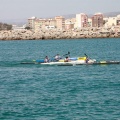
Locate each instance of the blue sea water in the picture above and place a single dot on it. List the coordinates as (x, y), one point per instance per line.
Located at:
(37, 92)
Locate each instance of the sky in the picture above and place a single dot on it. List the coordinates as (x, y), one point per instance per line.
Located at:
(23, 9)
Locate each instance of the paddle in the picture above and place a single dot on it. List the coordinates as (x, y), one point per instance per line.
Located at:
(67, 54)
(53, 58)
(86, 55)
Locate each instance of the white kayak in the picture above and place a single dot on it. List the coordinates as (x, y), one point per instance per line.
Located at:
(77, 62)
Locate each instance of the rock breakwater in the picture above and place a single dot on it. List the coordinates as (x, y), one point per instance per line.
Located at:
(60, 34)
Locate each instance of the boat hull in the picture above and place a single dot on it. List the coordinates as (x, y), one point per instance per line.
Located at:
(74, 63)
(77, 62)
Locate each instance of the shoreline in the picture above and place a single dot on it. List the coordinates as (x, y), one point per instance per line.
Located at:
(60, 39)
(60, 34)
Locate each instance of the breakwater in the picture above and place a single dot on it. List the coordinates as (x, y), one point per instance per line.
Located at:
(60, 34)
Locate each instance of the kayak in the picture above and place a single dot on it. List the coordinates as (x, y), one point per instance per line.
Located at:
(72, 63)
(62, 60)
(94, 63)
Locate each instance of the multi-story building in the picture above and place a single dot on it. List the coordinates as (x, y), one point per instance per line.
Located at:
(15, 27)
(69, 23)
(97, 20)
(60, 22)
(37, 24)
(31, 22)
(118, 20)
(81, 20)
(44, 24)
(89, 22)
(111, 21)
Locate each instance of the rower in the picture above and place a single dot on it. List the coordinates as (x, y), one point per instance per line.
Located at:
(66, 59)
(57, 57)
(46, 59)
(87, 58)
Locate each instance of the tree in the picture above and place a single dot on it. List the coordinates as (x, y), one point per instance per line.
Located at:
(4, 26)
(27, 27)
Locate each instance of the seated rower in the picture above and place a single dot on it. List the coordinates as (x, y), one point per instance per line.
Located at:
(87, 58)
(57, 57)
(66, 59)
(46, 59)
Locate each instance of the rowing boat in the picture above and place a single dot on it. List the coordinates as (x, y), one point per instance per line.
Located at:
(72, 62)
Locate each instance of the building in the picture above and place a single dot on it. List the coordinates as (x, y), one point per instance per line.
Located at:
(89, 22)
(31, 22)
(60, 22)
(44, 24)
(15, 27)
(69, 23)
(97, 20)
(81, 20)
(111, 21)
(118, 20)
(37, 24)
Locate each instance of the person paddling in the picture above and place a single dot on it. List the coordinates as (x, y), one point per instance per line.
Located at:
(46, 59)
(66, 59)
(87, 58)
(57, 57)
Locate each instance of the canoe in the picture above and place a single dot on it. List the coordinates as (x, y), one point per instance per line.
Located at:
(72, 63)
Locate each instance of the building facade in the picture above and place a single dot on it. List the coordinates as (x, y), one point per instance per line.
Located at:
(44, 24)
(60, 22)
(97, 20)
(69, 26)
(69, 23)
(81, 20)
(31, 22)
(89, 22)
(37, 24)
(118, 20)
(111, 21)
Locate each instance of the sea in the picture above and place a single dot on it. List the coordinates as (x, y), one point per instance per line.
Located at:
(79, 92)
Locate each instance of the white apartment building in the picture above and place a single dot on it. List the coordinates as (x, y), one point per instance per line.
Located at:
(111, 21)
(89, 22)
(44, 24)
(31, 22)
(60, 22)
(37, 24)
(69, 23)
(118, 20)
(15, 27)
(81, 20)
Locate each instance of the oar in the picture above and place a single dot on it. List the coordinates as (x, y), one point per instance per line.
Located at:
(66, 54)
(86, 55)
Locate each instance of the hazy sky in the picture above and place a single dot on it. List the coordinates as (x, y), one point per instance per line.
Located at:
(22, 9)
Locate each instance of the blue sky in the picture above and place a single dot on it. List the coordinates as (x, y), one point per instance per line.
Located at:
(22, 9)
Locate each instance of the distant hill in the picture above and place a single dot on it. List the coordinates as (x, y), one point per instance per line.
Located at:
(109, 14)
(18, 22)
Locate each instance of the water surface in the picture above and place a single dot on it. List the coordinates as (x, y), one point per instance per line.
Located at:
(35, 92)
